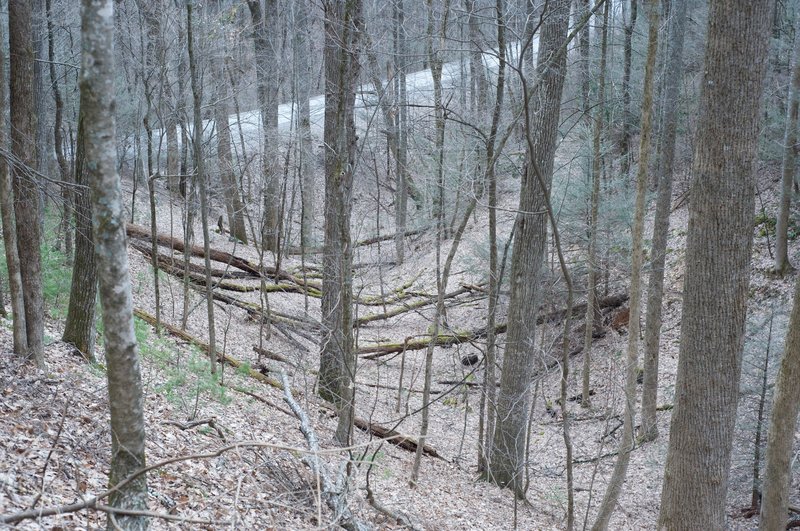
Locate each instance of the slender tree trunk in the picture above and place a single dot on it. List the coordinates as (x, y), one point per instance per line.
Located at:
(401, 126)
(233, 201)
(302, 54)
(26, 185)
(718, 252)
(507, 461)
(627, 115)
(79, 328)
(594, 209)
(790, 147)
(655, 286)
(125, 398)
(63, 166)
(15, 286)
(202, 185)
(265, 43)
(786, 405)
(343, 26)
(489, 397)
(627, 442)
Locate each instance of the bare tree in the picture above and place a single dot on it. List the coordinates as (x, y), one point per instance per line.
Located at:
(627, 442)
(343, 27)
(122, 359)
(507, 459)
(655, 286)
(718, 252)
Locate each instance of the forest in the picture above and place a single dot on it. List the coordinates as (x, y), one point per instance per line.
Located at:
(399, 264)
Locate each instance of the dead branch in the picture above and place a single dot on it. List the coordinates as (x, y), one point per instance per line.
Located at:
(183, 426)
(336, 498)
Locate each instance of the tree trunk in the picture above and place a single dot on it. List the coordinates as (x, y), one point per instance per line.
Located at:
(302, 54)
(401, 126)
(26, 185)
(786, 404)
(265, 44)
(625, 141)
(230, 187)
(718, 251)
(15, 286)
(507, 459)
(79, 328)
(122, 360)
(782, 264)
(655, 286)
(343, 25)
(627, 442)
(594, 209)
(202, 184)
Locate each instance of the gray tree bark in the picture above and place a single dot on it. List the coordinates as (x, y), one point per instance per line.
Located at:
(717, 275)
(265, 43)
(507, 459)
(790, 147)
(122, 360)
(343, 25)
(15, 287)
(302, 54)
(655, 286)
(786, 405)
(26, 186)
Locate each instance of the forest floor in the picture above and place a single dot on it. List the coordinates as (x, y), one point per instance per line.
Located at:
(54, 433)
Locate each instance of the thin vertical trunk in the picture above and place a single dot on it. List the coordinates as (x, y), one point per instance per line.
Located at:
(507, 460)
(718, 252)
(401, 126)
(627, 115)
(15, 287)
(488, 398)
(790, 147)
(200, 175)
(343, 27)
(655, 286)
(63, 166)
(594, 208)
(627, 442)
(302, 54)
(125, 397)
(26, 185)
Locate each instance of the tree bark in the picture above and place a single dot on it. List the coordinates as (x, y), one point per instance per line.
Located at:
(507, 460)
(655, 286)
(26, 186)
(202, 183)
(302, 53)
(718, 251)
(122, 360)
(15, 287)
(790, 147)
(265, 44)
(79, 328)
(625, 141)
(233, 201)
(786, 405)
(343, 25)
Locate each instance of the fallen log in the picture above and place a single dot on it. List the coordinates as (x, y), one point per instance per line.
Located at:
(203, 346)
(408, 307)
(194, 268)
(389, 237)
(396, 438)
(442, 340)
